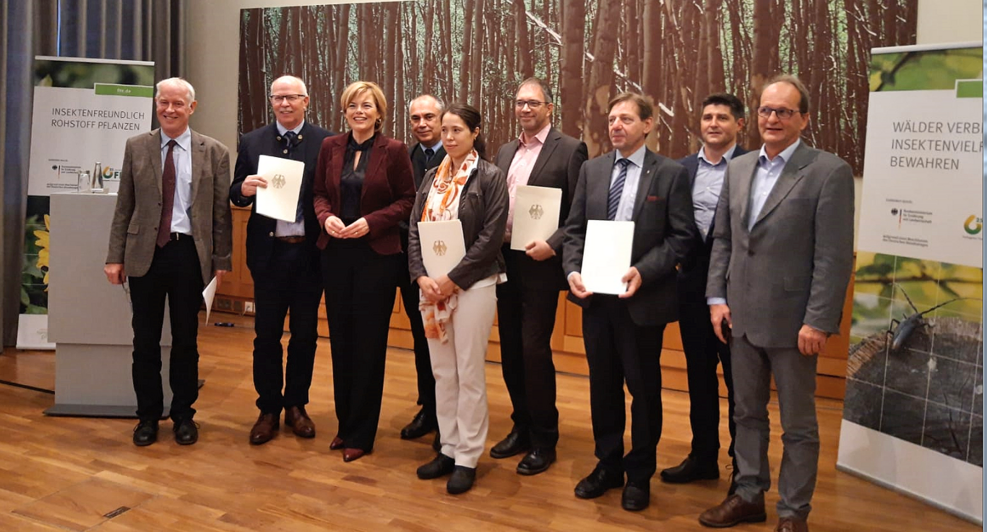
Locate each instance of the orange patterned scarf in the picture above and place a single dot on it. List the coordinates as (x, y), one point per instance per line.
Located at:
(442, 204)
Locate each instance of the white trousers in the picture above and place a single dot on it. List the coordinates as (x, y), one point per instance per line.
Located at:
(460, 381)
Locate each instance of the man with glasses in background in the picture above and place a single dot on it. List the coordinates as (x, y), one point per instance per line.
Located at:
(781, 260)
(541, 156)
(284, 264)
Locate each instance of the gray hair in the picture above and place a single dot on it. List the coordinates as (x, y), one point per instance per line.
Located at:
(438, 102)
(189, 89)
(296, 79)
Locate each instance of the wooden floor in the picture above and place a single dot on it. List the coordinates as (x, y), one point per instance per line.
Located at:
(69, 473)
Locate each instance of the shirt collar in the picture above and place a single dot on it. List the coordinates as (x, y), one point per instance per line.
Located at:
(298, 129)
(637, 157)
(726, 156)
(435, 147)
(184, 140)
(784, 156)
(540, 136)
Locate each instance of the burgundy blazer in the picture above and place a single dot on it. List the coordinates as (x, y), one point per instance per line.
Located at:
(386, 198)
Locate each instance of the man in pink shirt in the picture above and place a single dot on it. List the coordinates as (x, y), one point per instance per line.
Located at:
(542, 156)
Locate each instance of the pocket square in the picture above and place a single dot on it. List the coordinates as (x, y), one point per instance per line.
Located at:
(652, 198)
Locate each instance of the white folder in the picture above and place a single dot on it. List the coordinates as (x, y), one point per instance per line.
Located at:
(607, 256)
(536, 214)
(284, 184)
(442, 246)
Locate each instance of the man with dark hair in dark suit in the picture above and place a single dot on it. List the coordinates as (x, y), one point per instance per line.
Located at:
(284, 264)
(623, 334)
(722, 117)
(424, 112)
(545, 157)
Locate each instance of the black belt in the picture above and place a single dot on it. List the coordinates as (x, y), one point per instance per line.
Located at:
(179, 236)
(296, 239)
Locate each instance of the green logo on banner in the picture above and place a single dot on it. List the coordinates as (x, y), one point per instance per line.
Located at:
(974, 225)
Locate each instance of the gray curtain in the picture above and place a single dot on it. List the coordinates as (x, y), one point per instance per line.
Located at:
(142, 30)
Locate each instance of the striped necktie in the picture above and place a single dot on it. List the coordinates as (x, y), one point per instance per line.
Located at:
(617, 189)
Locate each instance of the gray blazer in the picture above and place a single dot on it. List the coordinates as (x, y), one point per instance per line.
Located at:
(793, 266)
(664, 229)
(134, 231)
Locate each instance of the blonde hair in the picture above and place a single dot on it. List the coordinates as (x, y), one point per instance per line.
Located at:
(359, 87)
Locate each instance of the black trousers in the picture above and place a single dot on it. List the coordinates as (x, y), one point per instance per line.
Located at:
(423, 364)
(360, 287)
(703, 350)
(291, 281)
(525, 319)
(175, 274)
(619, 351)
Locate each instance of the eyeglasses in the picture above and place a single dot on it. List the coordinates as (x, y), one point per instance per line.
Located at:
(783, 114)
(532, 104)
(290, 98)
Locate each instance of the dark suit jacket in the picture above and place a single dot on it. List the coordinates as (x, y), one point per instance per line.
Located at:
(557, 166)
(260, 228)
(793, 266)
(418, 163)
(387, 195)
(134, 231)
(664, 228)
(695, 268)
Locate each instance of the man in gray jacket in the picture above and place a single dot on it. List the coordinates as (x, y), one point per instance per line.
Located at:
(781, 260)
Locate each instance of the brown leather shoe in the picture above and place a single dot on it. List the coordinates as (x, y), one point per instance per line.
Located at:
(353, 454)
(733, 511)
(336, 444)
(791, 524)
(296, 418)
(264, 429)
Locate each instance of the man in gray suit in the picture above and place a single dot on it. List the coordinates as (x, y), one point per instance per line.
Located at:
(781, 260)
(541, 156)
(171, 234)
(623, 334)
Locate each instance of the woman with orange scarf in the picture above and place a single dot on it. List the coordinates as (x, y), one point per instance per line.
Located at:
(458, 308)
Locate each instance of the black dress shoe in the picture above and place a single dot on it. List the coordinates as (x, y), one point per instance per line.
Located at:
(598, 482)
(690, 470)
(146, 432)
(515, 443)
(186, 432)
(461, 480)
(440, 466)
(536, 461)
(636, 497)
(421, 425)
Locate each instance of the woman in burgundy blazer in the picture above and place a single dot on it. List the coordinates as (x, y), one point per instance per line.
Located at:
(363, 187)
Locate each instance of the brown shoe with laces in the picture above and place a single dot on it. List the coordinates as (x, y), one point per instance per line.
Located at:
(733, 511)
(791, 524)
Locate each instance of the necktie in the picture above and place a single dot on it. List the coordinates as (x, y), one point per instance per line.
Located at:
(289, 141)
(613, 200)
(429, 152)
(167, 195)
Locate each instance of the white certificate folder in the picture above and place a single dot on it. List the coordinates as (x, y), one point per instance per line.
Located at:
(536, 214)
(607, 256)
(284, 183)
(442, 246)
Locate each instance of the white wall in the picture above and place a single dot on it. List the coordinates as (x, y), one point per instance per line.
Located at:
(944, 21)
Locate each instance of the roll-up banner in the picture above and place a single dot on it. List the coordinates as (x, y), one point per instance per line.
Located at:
(84, 112)
(913, 412)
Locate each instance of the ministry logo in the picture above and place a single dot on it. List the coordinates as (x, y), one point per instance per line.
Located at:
(278, 181)
(439, 248)
(536, 212)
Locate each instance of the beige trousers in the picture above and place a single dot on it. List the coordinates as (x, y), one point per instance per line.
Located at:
(460, 381)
